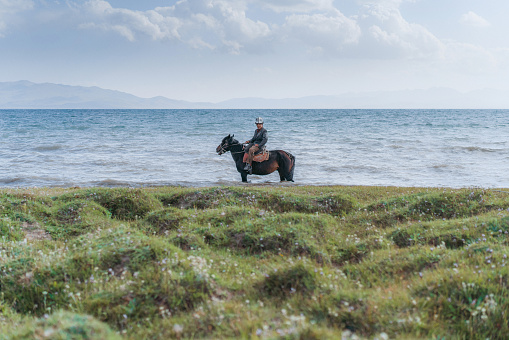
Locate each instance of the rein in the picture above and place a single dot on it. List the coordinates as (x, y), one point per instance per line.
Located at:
(237, 151)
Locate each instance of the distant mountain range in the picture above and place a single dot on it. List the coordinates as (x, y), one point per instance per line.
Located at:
(28, 95)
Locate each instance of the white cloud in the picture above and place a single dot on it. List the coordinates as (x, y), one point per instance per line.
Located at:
(200, 24)
(388, 34)
(13, 6)
(9, 9)
(474, 20)
(327, 33)
(130, 23)
(297, 5)
(378, 31)
(225, 25)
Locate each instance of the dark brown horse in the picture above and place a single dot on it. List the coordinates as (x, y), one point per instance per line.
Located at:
(282, 161)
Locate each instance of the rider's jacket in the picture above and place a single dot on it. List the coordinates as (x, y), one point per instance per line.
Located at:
(260, 137)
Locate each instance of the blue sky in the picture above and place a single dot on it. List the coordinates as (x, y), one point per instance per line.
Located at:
(213, 50)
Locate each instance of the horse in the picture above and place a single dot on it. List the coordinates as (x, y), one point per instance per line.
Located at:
(282, 161)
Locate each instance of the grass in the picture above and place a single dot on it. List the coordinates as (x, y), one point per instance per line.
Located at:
(254, 262)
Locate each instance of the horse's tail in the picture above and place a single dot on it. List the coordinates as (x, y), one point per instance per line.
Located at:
(288, 161)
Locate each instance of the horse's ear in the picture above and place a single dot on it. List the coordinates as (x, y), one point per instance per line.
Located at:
(228, 136)
(233, 135)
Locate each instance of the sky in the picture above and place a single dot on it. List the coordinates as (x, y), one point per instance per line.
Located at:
(214, 50)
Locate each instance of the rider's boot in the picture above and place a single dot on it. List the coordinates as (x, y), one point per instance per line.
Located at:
(246, 166)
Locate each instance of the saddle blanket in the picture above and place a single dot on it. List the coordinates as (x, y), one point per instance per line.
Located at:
(261, 157)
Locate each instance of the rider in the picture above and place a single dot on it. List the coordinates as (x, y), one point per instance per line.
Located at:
(255, 143)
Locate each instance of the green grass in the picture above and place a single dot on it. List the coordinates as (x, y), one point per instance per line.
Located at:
(254, 262)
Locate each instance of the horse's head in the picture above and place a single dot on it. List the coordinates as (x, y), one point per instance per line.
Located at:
(225, 145)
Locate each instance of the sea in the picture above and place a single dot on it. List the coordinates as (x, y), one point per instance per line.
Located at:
(143, 148)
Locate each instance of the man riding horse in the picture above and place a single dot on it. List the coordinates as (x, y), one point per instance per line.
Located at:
(280, 160)
(254, 144)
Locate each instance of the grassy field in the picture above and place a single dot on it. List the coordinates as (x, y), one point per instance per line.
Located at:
(254, 262)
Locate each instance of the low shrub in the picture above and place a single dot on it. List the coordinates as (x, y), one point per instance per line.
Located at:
(475, 307)
(177, 290)
(168, 219)
(64, 325)
(122, 203)
(11, 231)
(76, 218)
(281, 283)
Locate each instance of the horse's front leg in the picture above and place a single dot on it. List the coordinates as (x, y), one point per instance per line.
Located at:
(243, 174)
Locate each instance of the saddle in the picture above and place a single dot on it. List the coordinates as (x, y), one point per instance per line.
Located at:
(260, 156)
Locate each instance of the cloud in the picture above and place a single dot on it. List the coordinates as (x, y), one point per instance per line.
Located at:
(329, 33)
(9, 9)
(201, 24)
(388, 35)
(378, 31)
(474, 20)
(225, 25)
(130, 23)
(280, 6)
(13, 6)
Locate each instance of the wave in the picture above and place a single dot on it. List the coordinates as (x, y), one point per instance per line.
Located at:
(394, 146)
(49, 147)
(32, 181)
(472, 149)
(445, 166)
(478, 148)
(79, 128)
(111, 183)
(440, 166)
(359, 167)
(10, 180)
(109, 163)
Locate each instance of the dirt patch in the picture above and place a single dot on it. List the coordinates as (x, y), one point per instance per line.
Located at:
(33, 232)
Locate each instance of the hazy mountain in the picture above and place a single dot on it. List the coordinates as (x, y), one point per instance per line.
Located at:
(25, 94)
(435, 98)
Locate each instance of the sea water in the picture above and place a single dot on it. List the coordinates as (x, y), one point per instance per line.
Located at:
(65, 148)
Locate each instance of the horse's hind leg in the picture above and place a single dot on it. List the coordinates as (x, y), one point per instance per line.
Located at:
(286, 171)
(282, 176)
(289, 176)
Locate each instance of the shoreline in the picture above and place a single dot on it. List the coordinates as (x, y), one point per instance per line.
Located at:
(240, 184)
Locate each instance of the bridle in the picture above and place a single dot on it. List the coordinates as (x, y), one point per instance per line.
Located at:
(223, 147)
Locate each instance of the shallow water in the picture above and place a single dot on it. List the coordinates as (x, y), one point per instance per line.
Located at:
(453, 148)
